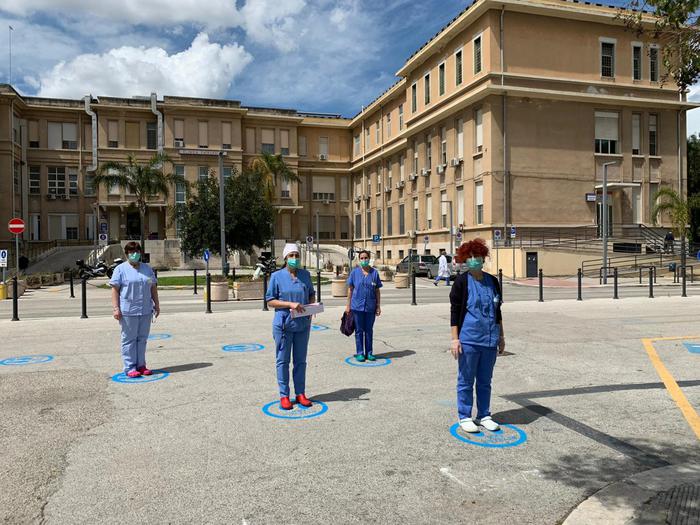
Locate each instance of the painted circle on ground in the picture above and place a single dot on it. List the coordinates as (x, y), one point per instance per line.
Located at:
(318, 327)
(693, 348)
(123, 378)
(508, 436)
(273, 409)
(243, 347)
(159, 337)
(381, 361)
(26, 360)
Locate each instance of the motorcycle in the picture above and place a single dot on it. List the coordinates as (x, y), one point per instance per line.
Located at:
(101, 269)
(266, 265)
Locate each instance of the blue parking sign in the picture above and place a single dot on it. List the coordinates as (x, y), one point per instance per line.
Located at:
(512, 232)
(376, 238)
(206, 255)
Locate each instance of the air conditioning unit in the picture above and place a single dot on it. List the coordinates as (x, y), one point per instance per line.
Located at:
(425, 172)
(326, 202)
(66, 197)
(51, 197)
(358, 198)
(455, 162)
(367, 197)
(322, 157)
(411, 234)
(412, 177)
(400, 184)
(387, 189)
(179, 143)
(441, 168)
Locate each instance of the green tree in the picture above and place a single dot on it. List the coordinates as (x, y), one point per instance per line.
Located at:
(678, 211)
(694, 183)
(198, 218)
(674, 25)
(144, 181)
(272, 168)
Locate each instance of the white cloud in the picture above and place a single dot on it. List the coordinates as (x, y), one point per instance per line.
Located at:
(205, 69)
(273, 22)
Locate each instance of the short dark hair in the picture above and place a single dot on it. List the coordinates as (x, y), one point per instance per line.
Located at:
(131, 247)
(364, 251)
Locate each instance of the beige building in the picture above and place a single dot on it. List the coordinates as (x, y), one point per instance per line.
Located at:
(504, 118)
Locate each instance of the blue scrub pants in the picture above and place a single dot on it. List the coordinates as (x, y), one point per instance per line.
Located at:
(364, 330)
(291, 345)
(475, 362)
(135, 330)
(446, 278)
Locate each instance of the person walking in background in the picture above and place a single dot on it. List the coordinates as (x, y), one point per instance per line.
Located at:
(444, 271)
(364, 301)
(289, 290)
(477, 335)
(134, 303)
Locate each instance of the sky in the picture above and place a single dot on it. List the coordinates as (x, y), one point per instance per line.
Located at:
(328, 56)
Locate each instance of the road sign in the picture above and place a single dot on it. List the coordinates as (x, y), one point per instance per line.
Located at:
(309, 239)
(15, 226)
(376, 238)
(3, 258)
(426, 239)
(497, 235)
(459, 236)
(104, 228)
(512, 232)
(207, 254)
(351, 253)
(102, 237)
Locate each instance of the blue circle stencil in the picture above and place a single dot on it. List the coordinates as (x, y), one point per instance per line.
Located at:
(159, 337)
(318, 327)
(243, 347)
(507, 436)
(273, 409)
(26, 360)
(123, 378)
(381, 361)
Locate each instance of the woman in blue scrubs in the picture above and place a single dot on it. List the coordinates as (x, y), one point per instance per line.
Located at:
(477, 335)
(364, 300)
(134, 302)
(290, 289)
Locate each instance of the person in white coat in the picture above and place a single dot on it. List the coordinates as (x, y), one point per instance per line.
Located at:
(443, 269)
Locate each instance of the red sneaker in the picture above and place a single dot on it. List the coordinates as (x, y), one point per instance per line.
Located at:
(133, 373)
(285, 403)
(304, 401)
(145, 371)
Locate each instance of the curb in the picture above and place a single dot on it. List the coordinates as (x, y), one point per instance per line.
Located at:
(618, 503)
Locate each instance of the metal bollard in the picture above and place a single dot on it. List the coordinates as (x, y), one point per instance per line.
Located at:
(684, 294)
(541, 300)
(580, 275)
(500, 281)
(72, 294)
(15, 293)
(83, 299)
(195, 281)
(155, 273)
(651, 283)
(615, 283)
(413, 286)
(265, 308)
(640, 275)
(318, 286)
(208, 293)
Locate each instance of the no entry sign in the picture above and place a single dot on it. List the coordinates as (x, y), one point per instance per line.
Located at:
(15, 226)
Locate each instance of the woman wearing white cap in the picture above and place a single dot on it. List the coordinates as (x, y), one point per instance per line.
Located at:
(290, 289)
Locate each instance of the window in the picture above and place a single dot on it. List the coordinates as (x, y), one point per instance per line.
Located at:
(344, 189)
(607, 59)
(402, 161)
(415, 156)
(479, 202)
(654, 64)
(268, 141)
(203, 173)
(179, 133)
(113, 133)
(415, 213)
(133, 135)
(326, 227)
(388, 125)
(606, 132)
(368, 224)
(389, 175)
(73, 181)
(285, 189)
(377, 134)
(414, 98)
(344, 227)
(388, 254)
(479, 130)
(34, 180)
(400, 117)
(369, 185)
(441, 78)
(460, 139)
(428, 152)
(426, 88)
(250, 141)
(34, 227)
(477, 55)
(151, 135)
(379, 222)
(636, 133)
(389, 221)
(402, 220)
(63, 135)
(357, 144)
(57, 180)
(323, 146)
(302, 146)
(443, 146)
(16, 179)
(443, 208)
(358, 226)
(203, 134)
(379, 179)
(367, 139)
(653, 146)
(637, 62)
(460, 205)
(323, 188)
(228, 171)
(33, 134)
(89, 185)
(225, 135)
(401, 252)
(458, 68)
(429, 211)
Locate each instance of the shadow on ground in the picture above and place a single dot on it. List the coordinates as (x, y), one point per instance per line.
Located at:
(344, 394)
(183, 368)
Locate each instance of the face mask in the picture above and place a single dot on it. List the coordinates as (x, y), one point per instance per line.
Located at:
(293, 262)
(364, 263)
(134, 257)
(475, 264)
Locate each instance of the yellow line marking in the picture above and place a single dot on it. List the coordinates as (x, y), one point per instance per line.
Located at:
(674, 338)
(691, 416)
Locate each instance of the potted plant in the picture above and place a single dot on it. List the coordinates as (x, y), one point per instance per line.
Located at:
(339, 286)
(401, 280)
(219, 288)
(386, 274)
(247, 289)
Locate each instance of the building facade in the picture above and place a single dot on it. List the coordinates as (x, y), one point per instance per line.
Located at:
(505, 118)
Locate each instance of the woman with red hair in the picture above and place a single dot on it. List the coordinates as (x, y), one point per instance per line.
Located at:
(477, 335)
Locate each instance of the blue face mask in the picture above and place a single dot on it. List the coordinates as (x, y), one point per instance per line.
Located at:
(364, 263)
(474, 263)
(293, 262)
(134, 257)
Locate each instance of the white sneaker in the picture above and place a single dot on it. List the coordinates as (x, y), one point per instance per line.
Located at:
(468, 425)
(489, 424)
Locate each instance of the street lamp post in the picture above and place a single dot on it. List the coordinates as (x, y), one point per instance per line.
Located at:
(221, 213)
(604, 213)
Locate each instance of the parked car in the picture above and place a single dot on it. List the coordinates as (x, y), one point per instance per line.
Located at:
(422, 262)
(433, 269)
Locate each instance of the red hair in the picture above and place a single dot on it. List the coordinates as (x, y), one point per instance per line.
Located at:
(473, 248)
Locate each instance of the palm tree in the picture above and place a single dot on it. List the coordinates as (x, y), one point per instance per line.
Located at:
(670, 203)
(271, 168)
(143, 181)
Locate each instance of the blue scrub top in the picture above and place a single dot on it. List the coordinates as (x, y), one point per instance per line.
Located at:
(364, 289)
(284, 287)
(479, 327)
(134, 285)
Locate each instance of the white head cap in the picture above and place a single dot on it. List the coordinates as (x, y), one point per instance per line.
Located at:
(289, 248)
